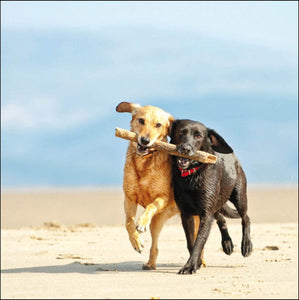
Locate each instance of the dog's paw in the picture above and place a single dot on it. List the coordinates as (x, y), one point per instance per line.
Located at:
(246, 247)
(137, 242)
(203, 263)
(190, 268)
(187, 270)
(148, 266)
(143, 224)
(227, 246)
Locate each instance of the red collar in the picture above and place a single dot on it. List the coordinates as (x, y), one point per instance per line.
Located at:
(187, 172)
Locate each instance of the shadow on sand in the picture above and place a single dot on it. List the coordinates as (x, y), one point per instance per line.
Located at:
(90, 268)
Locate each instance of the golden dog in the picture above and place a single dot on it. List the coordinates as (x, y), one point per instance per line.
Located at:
(147, 177)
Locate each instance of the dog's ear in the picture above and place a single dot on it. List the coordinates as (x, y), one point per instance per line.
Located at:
(218, 143)
(127, 107)
(172, 131)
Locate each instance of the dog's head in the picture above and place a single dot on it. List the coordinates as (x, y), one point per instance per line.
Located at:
(150, 123)
(190, 136)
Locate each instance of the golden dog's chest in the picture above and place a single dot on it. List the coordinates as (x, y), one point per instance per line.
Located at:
(145, 182)
(144, 199)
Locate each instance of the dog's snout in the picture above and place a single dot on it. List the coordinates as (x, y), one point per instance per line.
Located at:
(144, 141)
(185, 149)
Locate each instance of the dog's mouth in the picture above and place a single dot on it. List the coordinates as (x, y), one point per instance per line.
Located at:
(183, 162)
(142, 150)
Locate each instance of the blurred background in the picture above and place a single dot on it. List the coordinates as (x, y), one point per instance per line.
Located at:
(65, 65)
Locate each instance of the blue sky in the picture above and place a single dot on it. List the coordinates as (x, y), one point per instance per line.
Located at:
(66, 65)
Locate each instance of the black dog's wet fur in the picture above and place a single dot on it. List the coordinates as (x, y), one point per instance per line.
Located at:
(205, 192)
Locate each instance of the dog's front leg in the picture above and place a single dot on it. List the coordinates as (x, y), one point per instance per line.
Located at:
(188, 225)
(130, 211)
(191, 226)
(194, 261)
(145, 219)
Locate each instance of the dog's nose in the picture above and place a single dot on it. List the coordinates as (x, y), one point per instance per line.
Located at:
(144, 141)
(185, 149)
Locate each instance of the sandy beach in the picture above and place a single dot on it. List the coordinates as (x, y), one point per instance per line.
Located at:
(72, 243)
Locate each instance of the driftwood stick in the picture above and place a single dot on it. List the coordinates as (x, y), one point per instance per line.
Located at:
(167, 147)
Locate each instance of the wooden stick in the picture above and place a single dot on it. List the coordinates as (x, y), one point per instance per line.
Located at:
(167, 147)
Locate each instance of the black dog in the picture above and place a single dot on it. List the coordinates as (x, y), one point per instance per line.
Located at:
(202, 189)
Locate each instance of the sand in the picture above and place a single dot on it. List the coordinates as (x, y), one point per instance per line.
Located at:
(68, 243)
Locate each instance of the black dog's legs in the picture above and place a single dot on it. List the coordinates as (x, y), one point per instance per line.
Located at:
(188, 225)
(226, 241)
(194, 260)
(239, 199)
(191, 232)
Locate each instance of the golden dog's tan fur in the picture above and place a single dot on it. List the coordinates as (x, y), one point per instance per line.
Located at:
(147, 179)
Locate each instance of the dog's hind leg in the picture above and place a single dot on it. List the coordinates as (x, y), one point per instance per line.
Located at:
(196, 227)
(194, 261)
(191, 225)
(239, 199)
(226, 241)
(130, 211)
(156, 226)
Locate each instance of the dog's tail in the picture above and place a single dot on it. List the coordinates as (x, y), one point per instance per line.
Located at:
(229, 212)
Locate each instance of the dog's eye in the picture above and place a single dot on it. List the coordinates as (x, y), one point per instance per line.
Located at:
(158, 125)
(141, 121)
(197, 135)
(183, 131)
